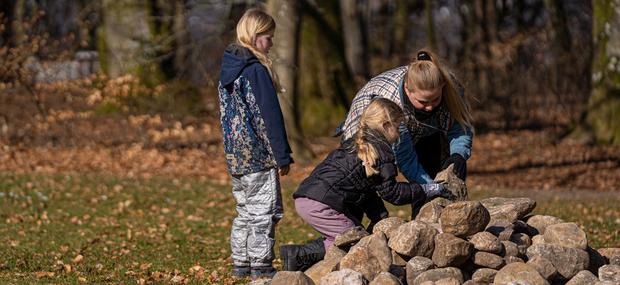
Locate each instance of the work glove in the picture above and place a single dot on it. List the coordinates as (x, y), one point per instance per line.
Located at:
(434, 190)
(460, 165)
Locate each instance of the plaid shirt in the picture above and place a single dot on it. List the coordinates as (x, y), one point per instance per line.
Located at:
(387, 85)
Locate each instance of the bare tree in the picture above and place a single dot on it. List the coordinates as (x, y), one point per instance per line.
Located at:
(285, 49)
(601, 122)
(354, 44)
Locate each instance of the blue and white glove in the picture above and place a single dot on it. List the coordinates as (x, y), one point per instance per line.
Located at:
(433, 190)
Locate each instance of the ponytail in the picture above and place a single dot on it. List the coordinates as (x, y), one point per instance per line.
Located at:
(366, 152)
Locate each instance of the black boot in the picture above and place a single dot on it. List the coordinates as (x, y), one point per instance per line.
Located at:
(297, 257)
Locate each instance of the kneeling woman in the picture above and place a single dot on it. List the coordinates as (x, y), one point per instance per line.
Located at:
(351, 182)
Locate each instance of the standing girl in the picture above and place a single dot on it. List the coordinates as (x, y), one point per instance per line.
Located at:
(351, 181)
(255, 143)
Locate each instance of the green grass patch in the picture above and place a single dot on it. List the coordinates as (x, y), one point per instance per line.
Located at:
(69, 229)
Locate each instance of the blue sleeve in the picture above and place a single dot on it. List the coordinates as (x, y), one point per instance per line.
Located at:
(460, 140)
(267, 101)
(407, 159)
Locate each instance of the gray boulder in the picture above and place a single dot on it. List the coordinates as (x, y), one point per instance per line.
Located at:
(484, 275)
(522, 241)
(291, 278)
(350, 237)
(503, 230)
(566, 234)
(538, 239)
(388, 226)
(541, 222)
(416, 265)
(343, 277)
(609, 273)
(508, 209)
(583, 277)
(452, 183)
(329, 264)
(448, 281)
(567, 260)
(519, 272)
(369, 256)
(385, 278)
(451, 251)
(509, 249)
(399, 259)
(543, 266)
(438, 274)
(414, 239)
(488, 260)
(431, 211)
(611, 255)
(464, 219)
(512, 259)
(486, 241)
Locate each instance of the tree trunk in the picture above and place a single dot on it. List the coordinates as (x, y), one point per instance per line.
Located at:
(126, 41)
(601, 122)
(285, 49)
(430, 24)
(201, 51)
(354, 44)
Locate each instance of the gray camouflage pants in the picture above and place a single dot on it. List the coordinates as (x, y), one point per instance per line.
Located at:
(259, 208)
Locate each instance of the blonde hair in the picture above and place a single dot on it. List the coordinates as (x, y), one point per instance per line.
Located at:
(425, 72)
(253, 23)
(378, 112)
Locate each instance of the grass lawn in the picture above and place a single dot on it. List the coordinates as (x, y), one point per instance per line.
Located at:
(104, 229)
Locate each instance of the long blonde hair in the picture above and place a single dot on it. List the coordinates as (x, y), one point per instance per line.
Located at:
(378, 112)
(253, 23)
(425, 72)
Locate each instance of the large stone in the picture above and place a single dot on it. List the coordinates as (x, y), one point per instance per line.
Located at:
(385, 278)
(343, 277)
(583, 277)
(486, 241)
(464, 219)
(609, 273)
(399, 259)
(567, 260)
(522, 241)
(509, 249)
(512, 259)
(484, 275)
(291, 278)
(414, 239)
(369, 256)
(350, 237)
(452, 183)
(508, 209)
(438, 274)
(451, 251)
(431, 211)
(488, 260)
(605, 283)
(543, 266)
(417, 265)
(566, 234)
(538, 239)
(329, 264)
(541, 222)
(503, 230)
(519, 272)
(448, 281)
(388, 226)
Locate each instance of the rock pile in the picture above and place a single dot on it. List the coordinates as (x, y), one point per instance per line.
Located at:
(492, 241)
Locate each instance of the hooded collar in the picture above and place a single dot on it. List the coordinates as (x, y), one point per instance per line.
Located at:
(236, 58)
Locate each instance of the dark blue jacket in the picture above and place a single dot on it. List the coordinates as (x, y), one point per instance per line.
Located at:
(252, 122)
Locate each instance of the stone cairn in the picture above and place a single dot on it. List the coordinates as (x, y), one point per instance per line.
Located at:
(492, 241)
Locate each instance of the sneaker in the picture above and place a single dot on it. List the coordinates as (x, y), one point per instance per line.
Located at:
(263, 272)
(241, 271)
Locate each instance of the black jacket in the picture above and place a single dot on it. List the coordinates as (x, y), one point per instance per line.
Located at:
(340, 182)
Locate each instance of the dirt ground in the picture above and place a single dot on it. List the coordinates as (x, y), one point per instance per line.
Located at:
(70, 136)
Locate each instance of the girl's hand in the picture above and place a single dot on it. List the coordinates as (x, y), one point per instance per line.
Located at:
(284, 170)
(434, 190)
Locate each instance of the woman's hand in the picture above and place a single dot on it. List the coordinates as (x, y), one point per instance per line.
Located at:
(460, 165)
(433, 190)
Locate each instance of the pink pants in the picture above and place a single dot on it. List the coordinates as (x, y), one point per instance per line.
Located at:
(323, 218)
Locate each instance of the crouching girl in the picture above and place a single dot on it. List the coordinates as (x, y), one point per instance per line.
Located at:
(351, 182)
